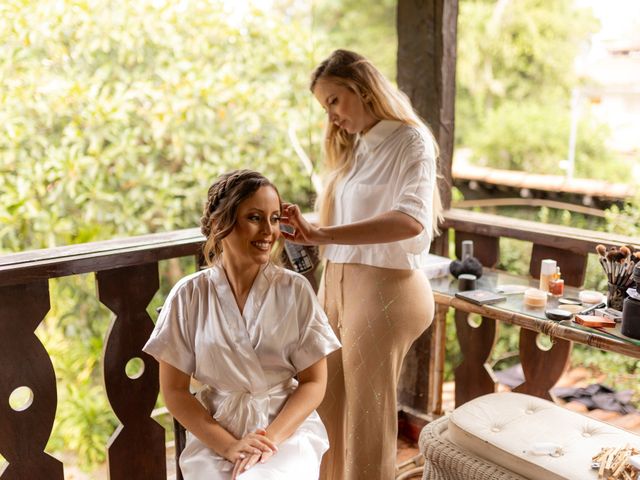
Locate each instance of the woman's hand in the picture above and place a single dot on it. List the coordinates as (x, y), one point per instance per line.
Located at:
(245, 462)
(256, 443)
(304, 232)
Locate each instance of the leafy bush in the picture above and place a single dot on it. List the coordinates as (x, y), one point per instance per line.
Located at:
(116, 116)
(533, 137)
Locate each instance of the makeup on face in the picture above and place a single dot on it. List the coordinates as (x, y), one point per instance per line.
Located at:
(256, 229)
(345, 108)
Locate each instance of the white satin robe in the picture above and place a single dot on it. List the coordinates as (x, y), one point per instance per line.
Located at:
(246, 362)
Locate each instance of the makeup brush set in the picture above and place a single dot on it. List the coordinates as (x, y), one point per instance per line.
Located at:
(618, 263)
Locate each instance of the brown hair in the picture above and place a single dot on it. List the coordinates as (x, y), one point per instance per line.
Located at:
(221, 209)
(383, 101)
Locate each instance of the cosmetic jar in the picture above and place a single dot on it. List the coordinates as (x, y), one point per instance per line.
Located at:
(572, 308)
(590, 297)
(535, 298)
(466, 281)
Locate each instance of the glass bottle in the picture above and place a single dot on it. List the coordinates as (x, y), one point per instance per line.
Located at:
(556, 284)
(547, 270)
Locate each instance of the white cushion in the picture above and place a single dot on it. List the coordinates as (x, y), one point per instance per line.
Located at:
(504, 427)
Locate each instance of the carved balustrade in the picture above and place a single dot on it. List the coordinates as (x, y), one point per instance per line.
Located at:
(126, 272)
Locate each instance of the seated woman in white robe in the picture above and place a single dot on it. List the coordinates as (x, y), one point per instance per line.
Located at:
(246, 329)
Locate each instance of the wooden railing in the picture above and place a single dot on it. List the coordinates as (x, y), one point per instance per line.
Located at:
(127, 277)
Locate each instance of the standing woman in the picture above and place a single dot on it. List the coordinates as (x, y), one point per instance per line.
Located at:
(378, 212)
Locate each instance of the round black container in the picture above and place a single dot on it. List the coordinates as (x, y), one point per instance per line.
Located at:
(631, 318)
(466, 281)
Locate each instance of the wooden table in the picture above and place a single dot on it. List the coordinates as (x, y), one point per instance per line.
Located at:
(542, 366)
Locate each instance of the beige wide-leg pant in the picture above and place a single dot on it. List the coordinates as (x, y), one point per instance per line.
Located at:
(377, 313)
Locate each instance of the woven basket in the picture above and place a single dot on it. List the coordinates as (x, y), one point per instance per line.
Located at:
(444, 460)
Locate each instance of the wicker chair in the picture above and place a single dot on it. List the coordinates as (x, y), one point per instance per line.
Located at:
(446, 461)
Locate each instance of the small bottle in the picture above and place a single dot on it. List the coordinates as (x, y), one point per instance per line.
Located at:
(467, 249)
(556, 284)
(547, 270)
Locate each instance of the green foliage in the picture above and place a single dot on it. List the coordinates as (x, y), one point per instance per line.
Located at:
(367, 28)
(118, 115)
(514, 82)
(533, 137)
(625, 220)
(513, 51)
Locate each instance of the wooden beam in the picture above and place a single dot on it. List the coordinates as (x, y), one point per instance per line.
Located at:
(427, 32)
(426, 73)
(572, 239)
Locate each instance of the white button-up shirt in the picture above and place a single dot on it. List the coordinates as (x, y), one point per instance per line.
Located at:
(394, 169)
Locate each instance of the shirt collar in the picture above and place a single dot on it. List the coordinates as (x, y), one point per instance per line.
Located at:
(379, 132)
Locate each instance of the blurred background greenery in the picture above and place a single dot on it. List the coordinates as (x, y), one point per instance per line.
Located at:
(117, 115)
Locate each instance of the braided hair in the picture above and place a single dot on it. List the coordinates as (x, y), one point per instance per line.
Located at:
(221, 209)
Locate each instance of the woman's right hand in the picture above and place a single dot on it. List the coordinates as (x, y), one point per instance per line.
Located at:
(255, 443)
(246, 463)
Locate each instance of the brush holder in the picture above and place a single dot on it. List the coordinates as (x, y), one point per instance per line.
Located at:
(615, 296)
(631, 318)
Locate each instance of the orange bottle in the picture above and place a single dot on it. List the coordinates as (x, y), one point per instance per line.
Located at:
(556, 284)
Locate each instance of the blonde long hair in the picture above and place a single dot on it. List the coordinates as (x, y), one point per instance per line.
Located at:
(384, 102)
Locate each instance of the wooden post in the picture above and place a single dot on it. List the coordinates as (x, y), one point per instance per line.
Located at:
(427, 32)
(136, 450)
(427, 74)
(25, 430)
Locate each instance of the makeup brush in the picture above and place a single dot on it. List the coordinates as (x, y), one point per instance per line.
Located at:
(611, 260)
(602, 253)
(625, 268)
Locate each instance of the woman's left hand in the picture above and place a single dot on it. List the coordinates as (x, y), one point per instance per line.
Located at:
(304, 233)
